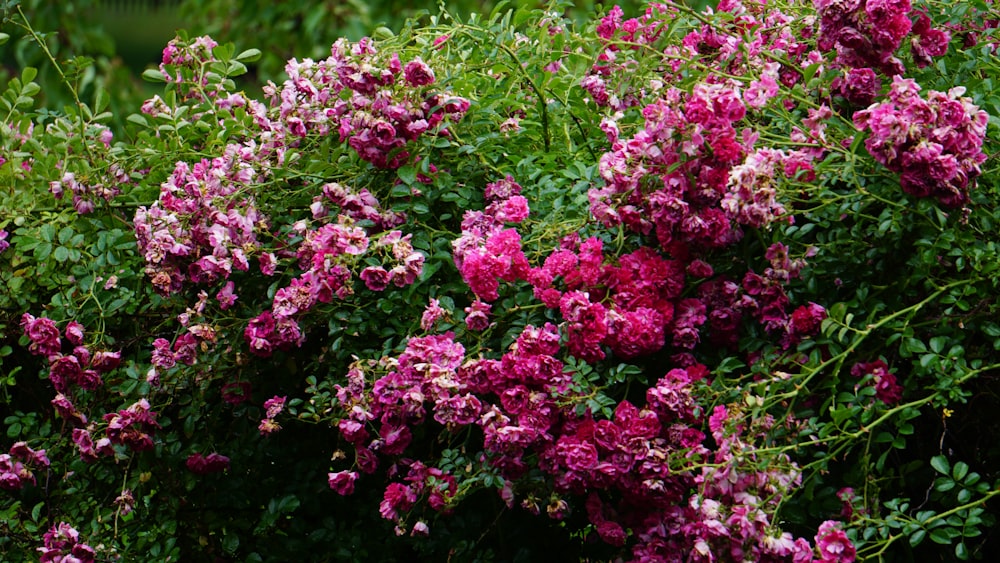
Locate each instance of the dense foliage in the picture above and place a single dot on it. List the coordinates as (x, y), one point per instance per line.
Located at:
(672, 285)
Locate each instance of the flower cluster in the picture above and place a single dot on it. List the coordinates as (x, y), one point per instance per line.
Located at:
(487, 251)
(421, 481)
(670, 177)
(614, 33)
(62, 545)
(865, 33)
(272, 408)
(934, 144)
(133, 426)
(359, 205)
(16, 466)
(762, 296)
(81, 368)
(728, 516)
(203, 225)
(748, 43)
(184, 64)
(375, 104)
(927, 41)
(877, 375)
(523, 405)
(327, 255)
(4, 245)
(104, 184)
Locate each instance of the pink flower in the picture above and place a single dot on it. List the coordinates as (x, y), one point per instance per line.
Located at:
(66, 410)
(432, 313)
(43, 333)
(62, 545)
(477, 315)
(887, 389)
(376, 278)
(268, 263)
(860, 86)
(74, 333)
(133, 426)
(398, 497)
(106, 361)
(343, 481)
(417, 73)
(226, 297)
(833, 545)
(274, 406)
(805, 320)
(84, 444)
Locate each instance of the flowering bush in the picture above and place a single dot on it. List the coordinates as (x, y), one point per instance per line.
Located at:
(679, 285)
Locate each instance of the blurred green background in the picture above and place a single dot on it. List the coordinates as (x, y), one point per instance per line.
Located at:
(106, 44)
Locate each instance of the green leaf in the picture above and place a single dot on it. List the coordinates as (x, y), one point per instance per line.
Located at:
(230, 543)
(940, 464)
(917, 537)
(408, 174)
(153, 75)
(959, 470)
(249, 56)
(944, 536)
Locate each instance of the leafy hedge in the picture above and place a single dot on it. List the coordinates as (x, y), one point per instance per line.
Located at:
(673, 285)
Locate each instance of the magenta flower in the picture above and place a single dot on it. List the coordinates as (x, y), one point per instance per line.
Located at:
(43, 333)
(226, 297)
(860, 86)
(833, 545)
(343, 481)
(74, 333)
(62, 545)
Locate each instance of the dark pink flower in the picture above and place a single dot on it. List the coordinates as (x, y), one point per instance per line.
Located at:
(62, 545)
(66, 410)
(104, 361)
(43, 333)
(860, 86)
(398, 497)
(343, 481)
(236, 392)
(376, 278)
(74, 333)
(203, 465)
(432, 313)
(477, 315)
(417, 73)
